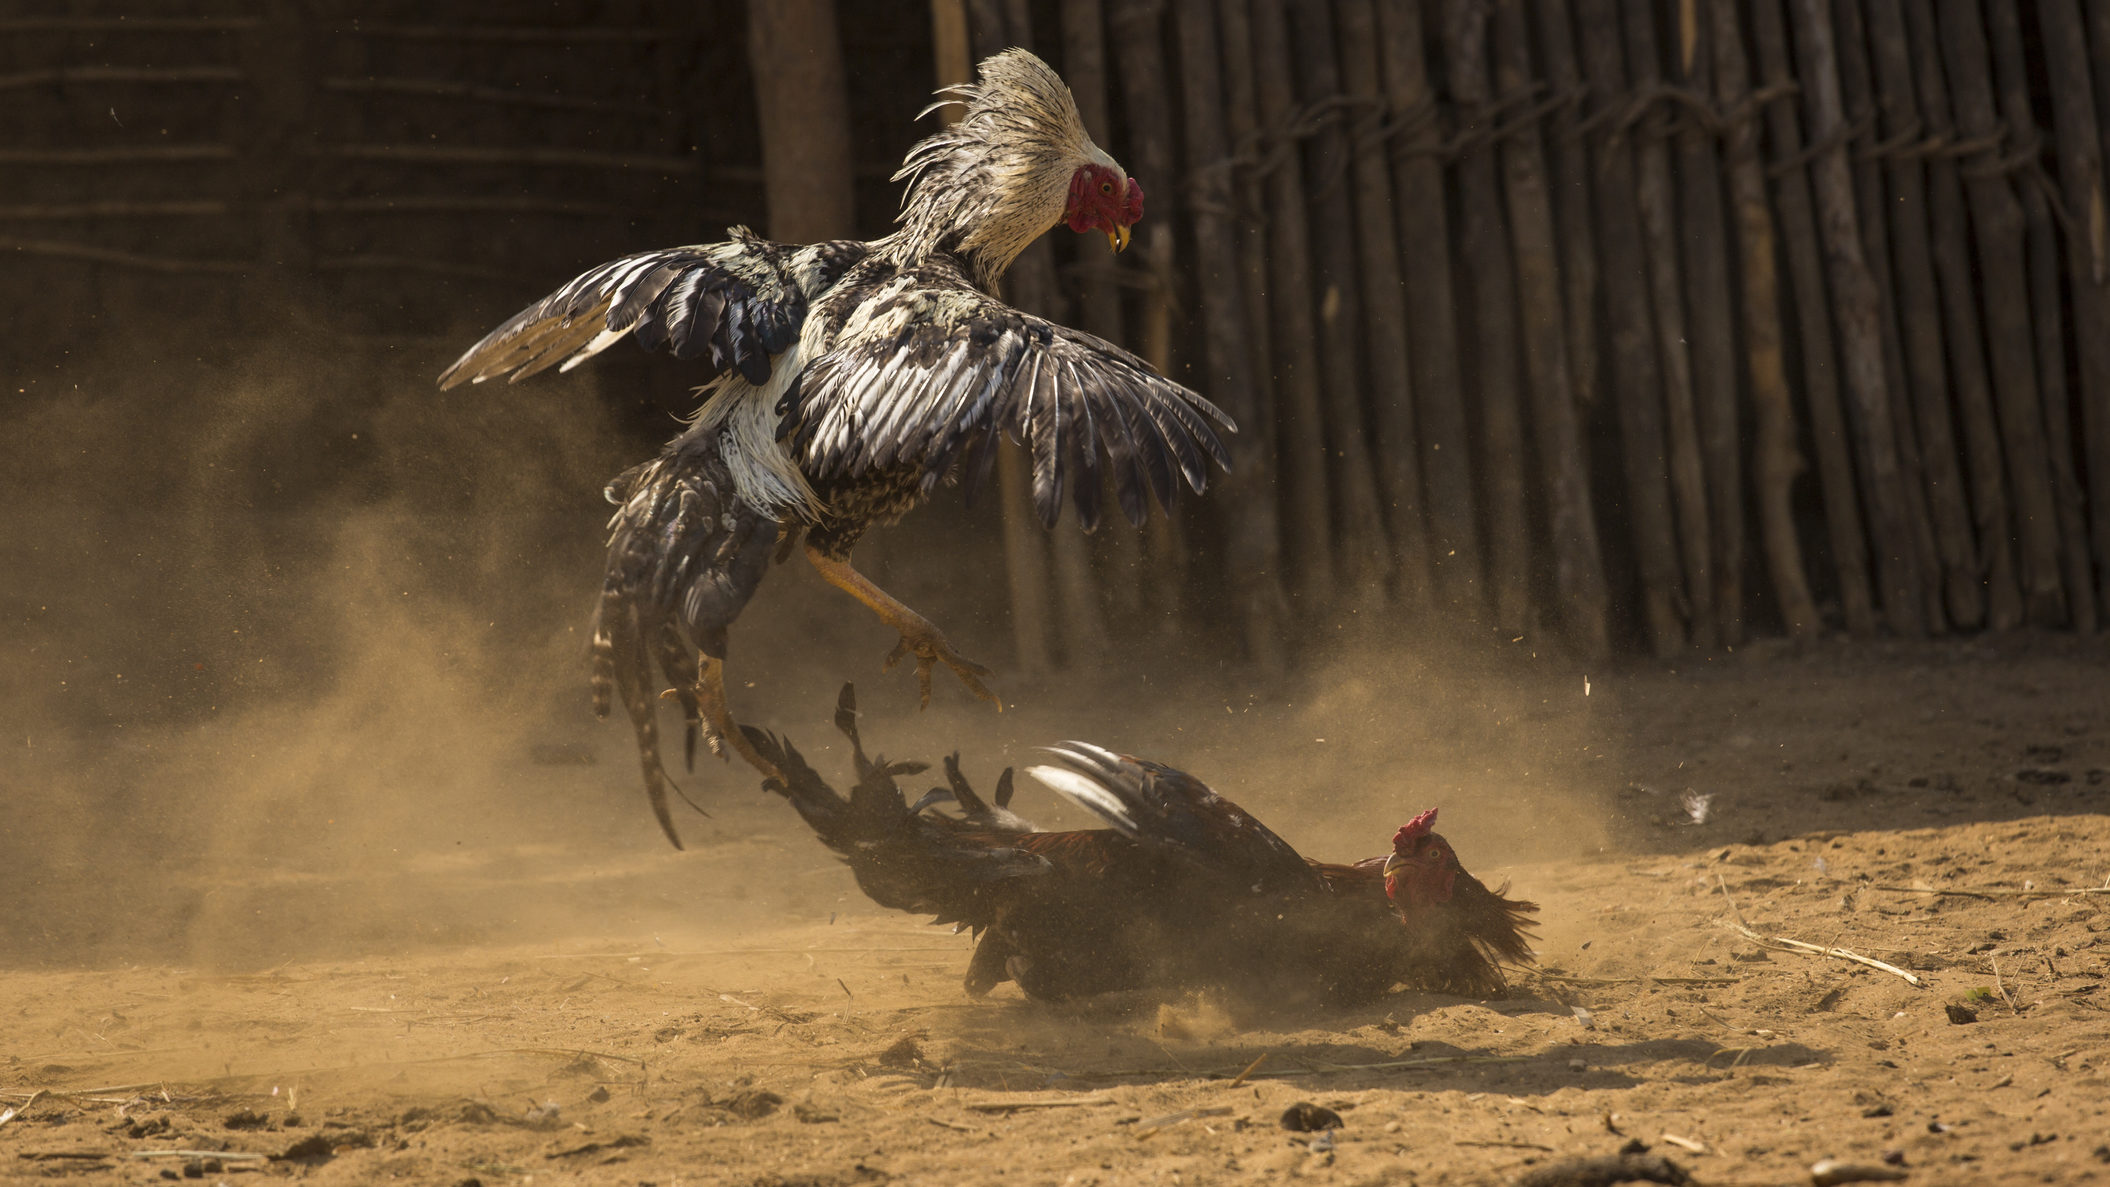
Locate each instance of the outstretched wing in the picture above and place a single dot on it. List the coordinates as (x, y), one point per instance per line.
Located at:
(926, 365)
(1156, 805)
(738, 302)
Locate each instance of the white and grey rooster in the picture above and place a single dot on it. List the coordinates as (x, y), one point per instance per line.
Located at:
(845, 382)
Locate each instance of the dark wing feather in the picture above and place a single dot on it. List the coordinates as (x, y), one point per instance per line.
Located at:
(1158, 806)
(924, 365)
(738, 303)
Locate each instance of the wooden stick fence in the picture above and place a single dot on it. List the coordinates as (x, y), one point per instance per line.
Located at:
(1638, 299)
(1647, 326)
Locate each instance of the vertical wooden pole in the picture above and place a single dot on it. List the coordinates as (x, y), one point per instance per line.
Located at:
(1996, 222)
(1432, 309)
(1097, 283)
(1798, 225)
(1301, 412)
(1251, 525)
(1484, 247)
(1950, 235)
(2011, 70)
(1568, 159)
(804, 107)
(1362, 557)
(1775, 458)
(1656, 197)
(2087, 249)
(1636, 378)
(1391, 390)
(1578, 566)
(1711, 315)
(1857, 94)
(1857, 305)
(1919, 316)
(960, 32)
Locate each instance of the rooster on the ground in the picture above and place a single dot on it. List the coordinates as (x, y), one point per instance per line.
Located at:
(1184, 889)
(845, 382)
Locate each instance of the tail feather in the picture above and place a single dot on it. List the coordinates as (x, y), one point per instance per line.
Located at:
(684, 556)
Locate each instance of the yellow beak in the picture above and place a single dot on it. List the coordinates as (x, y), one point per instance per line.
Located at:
(1392, 863)
(1117, 238)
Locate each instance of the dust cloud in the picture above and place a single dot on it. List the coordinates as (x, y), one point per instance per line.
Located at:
(295, 669)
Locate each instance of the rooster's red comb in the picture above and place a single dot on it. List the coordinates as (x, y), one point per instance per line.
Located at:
(1415, 829)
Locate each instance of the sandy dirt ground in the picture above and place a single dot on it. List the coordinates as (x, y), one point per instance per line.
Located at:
(569, 1001)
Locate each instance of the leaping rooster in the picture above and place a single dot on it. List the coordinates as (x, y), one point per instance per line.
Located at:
(1183, 889)
(844, 382)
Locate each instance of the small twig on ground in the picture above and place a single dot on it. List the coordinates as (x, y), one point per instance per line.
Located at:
(1169, 1120)
(940, 1121)
(1636, 980)
(2001, 985)
(1785, 944)
(1236, 1080)
(1685, 1143)
(1006, 1106)
(1500, 1145)
(1988, 892)
(222, 1155)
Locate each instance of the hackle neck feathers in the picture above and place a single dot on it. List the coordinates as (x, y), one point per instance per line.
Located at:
(989, 185)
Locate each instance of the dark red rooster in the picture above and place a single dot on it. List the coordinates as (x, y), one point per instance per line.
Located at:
(1184, 889)
(843, 382)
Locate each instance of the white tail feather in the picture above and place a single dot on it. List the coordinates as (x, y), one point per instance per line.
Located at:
(1089, 795)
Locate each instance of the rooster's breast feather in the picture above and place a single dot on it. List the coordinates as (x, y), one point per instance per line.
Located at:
(737, 303)
(920, 364)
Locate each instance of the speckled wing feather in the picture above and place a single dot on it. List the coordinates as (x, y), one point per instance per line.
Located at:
(921, 366)
(736, 303)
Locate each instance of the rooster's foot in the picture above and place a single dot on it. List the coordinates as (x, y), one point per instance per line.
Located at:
(923, 641)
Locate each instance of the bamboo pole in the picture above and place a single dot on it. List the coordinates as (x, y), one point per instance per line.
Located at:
(1578, 566)
(1919, 316)
(1391, 391)
(1775, 458)
(1798, 225)
(1250, 522)
(1433, 340)
(1656, 198)
(1856, 305)
(1139, 29)
(1097, 283)
(1026, 566)
(1857, 93)
(2088, 250)
(803, 110)
(1950, 235)
(1247, 188)
(1484, 248)
(2011, 70)
(1300, 412)
(1568, 157)
(1082, 627)
(1996, 222)
(1637, 379)
(1363, 560)
(1704, 243)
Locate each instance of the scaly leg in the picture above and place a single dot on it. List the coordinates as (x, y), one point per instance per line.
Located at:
(918, 636)
(719, 729)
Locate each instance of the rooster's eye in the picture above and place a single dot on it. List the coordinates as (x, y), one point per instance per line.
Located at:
(1106, 187)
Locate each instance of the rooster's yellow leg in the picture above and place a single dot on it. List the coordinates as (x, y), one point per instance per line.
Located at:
(721, 729)
(918, 636)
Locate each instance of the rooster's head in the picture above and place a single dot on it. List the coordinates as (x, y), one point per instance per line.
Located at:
(1017, 163)
(1422, 869)
(1102, 198)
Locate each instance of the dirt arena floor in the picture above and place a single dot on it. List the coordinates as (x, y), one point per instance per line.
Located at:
(388, 971)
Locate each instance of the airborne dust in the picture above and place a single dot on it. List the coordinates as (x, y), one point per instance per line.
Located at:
(296, 669)
(309, 843)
